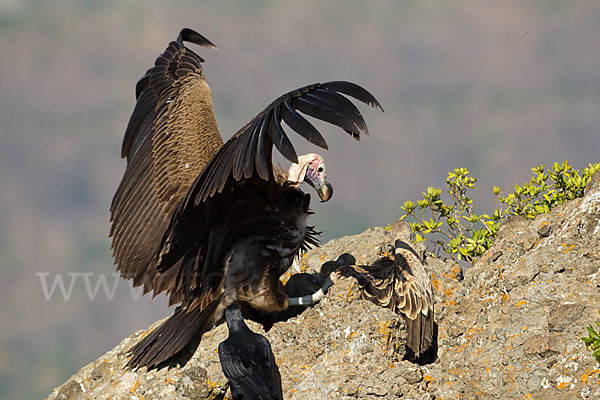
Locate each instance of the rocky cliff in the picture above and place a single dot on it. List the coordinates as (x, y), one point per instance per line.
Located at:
(509, 327)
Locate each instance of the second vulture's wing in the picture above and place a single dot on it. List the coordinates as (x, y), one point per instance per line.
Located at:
(402, 285)
(172, 134)
(413, 292)
(247, 156)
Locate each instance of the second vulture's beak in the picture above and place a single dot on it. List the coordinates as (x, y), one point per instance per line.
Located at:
(325, 191)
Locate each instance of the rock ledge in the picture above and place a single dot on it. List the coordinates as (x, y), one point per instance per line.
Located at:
(510, 329)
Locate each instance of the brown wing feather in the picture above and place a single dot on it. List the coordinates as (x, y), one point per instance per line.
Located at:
(414, 286)
(171, 136)
(412, 280)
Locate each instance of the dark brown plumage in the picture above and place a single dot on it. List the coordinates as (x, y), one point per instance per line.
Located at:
(403, 285)
(248, 361)
(210, 223)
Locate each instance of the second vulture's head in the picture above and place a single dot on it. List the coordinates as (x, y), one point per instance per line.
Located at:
(311, 169)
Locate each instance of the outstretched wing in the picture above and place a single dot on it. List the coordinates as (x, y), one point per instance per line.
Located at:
(247, 156)
(377, 281)
(249, 150)
(171, 136)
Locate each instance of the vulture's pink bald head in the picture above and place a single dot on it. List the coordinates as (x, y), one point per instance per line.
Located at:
(311, 169)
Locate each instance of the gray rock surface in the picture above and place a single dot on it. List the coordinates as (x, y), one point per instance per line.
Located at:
(510, 329)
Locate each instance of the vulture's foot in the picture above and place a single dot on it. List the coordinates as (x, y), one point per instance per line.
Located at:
(331, 268)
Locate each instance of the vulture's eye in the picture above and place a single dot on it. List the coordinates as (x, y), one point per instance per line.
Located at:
(320, 169)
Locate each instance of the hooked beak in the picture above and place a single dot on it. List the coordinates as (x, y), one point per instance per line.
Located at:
(325, 191)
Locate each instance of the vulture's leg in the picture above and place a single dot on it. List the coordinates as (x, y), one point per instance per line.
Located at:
(315, 297)
(333, 266)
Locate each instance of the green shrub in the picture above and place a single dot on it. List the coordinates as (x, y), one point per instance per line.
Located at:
(453, 230)
(592, 341)
(538, 196)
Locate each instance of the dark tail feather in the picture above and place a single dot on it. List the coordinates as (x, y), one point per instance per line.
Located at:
(419, 333)
(421, 340)
(171, 336)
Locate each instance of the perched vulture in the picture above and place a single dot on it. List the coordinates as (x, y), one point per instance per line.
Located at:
(247, 361)
(213, 223)
(403, 285)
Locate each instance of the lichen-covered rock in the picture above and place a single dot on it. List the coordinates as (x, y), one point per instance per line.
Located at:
(514, 329)
(509, 327)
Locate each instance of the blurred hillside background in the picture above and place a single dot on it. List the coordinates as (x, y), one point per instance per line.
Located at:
(497, 87)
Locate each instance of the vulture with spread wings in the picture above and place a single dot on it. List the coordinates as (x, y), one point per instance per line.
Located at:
(213, 223)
